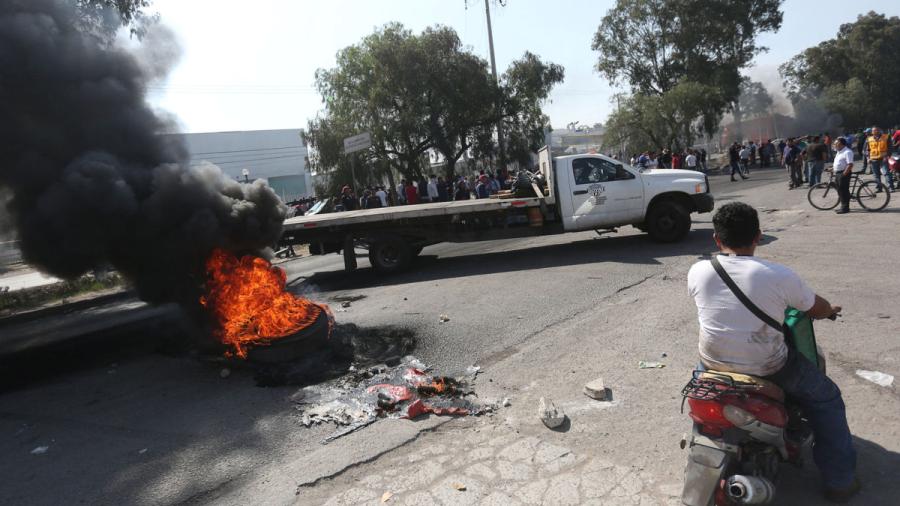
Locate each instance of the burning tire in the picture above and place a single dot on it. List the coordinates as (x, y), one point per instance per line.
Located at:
(389, 253)
(303, 342)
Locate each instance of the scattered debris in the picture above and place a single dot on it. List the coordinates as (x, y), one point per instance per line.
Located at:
(458, 486)
(224, 373)
(551, 415)
(444, 318)
(877, 377)
(346, 303)
(142, 451)
(472, 371)
(505, 402)
(596, 390)
(650, 365)
(404, 391)
(40, 450)
(664, 355)
(883, 316)
(385, 497)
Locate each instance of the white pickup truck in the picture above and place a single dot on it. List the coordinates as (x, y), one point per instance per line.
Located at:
(582, 192)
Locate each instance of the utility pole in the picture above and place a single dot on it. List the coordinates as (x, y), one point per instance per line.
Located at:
(502, 148)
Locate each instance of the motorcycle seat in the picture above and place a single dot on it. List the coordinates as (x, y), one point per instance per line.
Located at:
(747, 382)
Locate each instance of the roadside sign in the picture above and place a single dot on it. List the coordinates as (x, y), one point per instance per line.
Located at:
(357, 143)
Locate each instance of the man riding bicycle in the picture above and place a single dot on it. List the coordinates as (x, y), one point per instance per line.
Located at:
(733, 339)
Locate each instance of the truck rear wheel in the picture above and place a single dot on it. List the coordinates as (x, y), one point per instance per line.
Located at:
(668, 221)
(389, 254)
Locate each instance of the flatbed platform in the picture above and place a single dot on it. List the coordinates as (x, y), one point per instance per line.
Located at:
(407, 212)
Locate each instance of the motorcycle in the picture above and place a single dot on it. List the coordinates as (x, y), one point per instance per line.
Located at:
(894, 167)
(744, 428)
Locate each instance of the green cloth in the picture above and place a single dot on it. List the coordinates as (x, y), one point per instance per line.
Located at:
(801, 334)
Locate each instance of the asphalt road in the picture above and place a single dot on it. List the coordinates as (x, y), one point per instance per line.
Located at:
(542, 316)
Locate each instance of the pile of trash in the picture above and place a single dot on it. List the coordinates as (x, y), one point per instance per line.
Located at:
(403, 391)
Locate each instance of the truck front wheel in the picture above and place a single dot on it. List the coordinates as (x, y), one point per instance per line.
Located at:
(668, 221)
(389, 254)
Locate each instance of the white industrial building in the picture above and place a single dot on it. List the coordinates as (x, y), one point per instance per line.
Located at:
(278, 156)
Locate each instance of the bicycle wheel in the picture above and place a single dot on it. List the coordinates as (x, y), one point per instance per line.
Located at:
(824, 196)
(870, 199)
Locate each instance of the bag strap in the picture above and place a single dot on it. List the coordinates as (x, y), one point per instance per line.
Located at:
(759, 313)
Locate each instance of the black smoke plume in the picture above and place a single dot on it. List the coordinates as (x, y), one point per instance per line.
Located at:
(93, 181)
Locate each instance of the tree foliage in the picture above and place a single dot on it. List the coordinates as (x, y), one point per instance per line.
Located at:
(754, 100)
(673, 119)
(853, 74)
(652, 45)
(525, 86)
(423, 92)
(657, 46)
(103, 18)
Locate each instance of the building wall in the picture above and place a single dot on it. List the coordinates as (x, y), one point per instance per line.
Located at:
(278, 156)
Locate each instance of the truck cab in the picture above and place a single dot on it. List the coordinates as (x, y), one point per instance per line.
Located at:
(592, 191)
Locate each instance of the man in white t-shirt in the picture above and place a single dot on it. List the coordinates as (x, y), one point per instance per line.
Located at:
(690, 161)
(843, 171)
(733, 339)
(382, 196)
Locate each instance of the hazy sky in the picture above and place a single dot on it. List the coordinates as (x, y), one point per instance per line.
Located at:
(249, 65)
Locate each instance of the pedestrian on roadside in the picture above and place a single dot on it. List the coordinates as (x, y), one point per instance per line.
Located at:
(753, 151)
(815, 154)
(401, 192)
(348, 199)
(382, 196)
(744, 154)
(462, 192)
(653, 162)
(843, 172)
(432, 189)
(412, 196)
(793, 163)
(442, 189)
(664, 161)
(879, 151)
(782, 145)
(733, 159)
(482, 189)
(690, 161)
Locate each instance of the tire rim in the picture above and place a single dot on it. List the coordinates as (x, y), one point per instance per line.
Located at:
(389, 256)
(666, 223)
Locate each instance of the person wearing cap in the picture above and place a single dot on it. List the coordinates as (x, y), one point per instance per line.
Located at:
(843, 172)
(879, 150)
(348, 200)
(482, 189)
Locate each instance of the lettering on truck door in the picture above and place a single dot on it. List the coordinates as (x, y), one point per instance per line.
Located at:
(604, 193)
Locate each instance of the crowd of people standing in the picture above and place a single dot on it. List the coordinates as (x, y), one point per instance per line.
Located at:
(426, 190)
(689, 159)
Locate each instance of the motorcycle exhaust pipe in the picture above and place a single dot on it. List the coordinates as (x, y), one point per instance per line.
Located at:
(749, 489)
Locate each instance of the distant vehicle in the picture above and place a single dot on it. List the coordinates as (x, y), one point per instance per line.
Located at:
(579, 192)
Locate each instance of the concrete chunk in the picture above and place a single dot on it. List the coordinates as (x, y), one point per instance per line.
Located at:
(596, 390)
(551, 415)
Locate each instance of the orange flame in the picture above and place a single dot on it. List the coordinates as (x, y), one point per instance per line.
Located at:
(248, 299)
